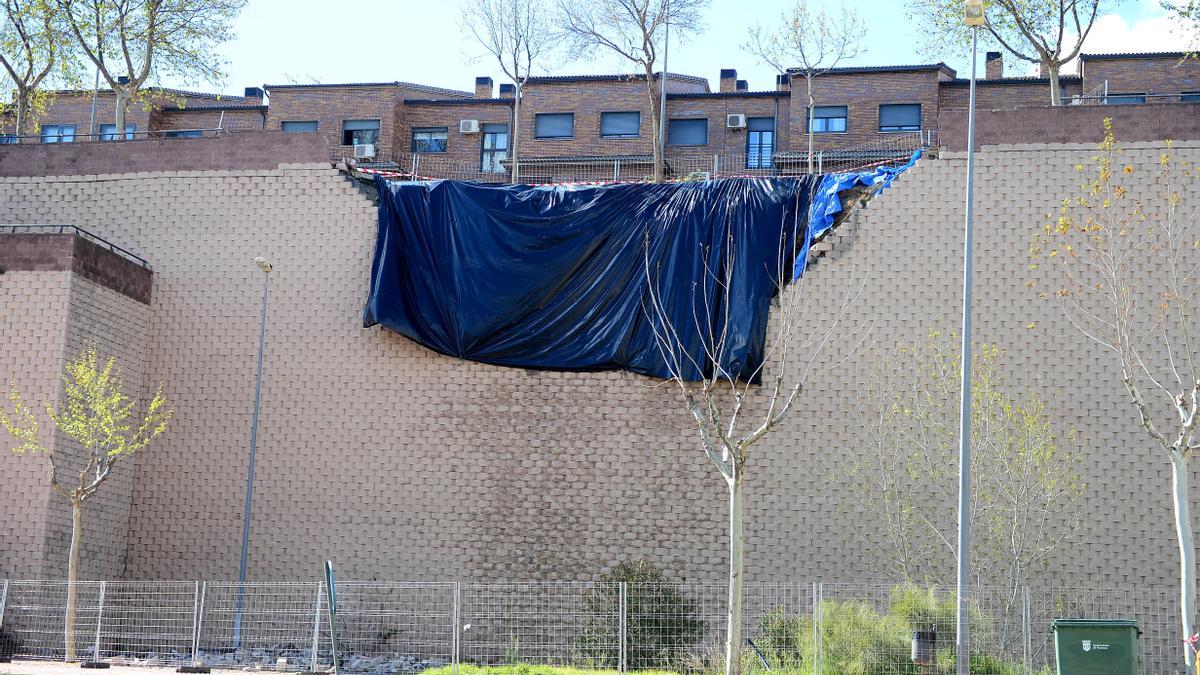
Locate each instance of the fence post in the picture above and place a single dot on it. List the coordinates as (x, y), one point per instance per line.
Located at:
(3, 601)
(616, 170)
(199, 628)
(817, 628)
(716, 172)
(316, 642)
(99, 620)
(821, 162)
(416, 165)
(1026, 630)
(455, 647)
(622, 627)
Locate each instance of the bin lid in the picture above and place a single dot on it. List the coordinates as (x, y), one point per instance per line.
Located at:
(1096, 623)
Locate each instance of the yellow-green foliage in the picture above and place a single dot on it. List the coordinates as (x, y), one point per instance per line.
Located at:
(96, 413)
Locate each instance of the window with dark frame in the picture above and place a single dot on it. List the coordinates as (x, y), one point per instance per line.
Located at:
(620, 124)
(360, 132)
(8, 139)
(1190, 97)
(900, 117)
(1124, 99)
(429, 140)
(687, 132)
(58, 133)
(108, 132)
(189, 133)
(829, 119)
(298, 126)
(494, 149)
(760, 142)
(554, 125)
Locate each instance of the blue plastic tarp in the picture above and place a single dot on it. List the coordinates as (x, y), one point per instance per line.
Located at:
(555, 277)
(827, 202)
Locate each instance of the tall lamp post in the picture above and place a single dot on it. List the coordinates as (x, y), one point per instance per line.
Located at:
(974, 18)
(262, 331)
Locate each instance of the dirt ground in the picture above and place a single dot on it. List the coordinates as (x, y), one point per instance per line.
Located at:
(58, 668)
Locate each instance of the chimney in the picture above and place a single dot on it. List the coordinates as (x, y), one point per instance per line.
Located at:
(508, 91)
(728, 80)
(994, 65)
(783, 82)
(254, 93)
(742, 85)
(483, 87)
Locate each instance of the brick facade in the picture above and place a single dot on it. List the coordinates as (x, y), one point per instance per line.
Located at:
(1071, 124)
(1169, 74)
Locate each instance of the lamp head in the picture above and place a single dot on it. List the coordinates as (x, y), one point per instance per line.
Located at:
(973, 13)
(262, 264)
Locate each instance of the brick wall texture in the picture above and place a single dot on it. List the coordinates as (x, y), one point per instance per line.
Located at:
(1070, 124)
(399, 463)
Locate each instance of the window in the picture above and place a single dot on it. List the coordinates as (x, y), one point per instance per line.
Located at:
(760, 142)
(360, 132)
(620, 124)
(429, 139)
(187, 133)
(1124, 99)
(554, 125)
(495, 148)
(108, 132)
(829, 119)
(1190, 97)
(58, 133)
(298, 127)
(687, 132)
(8, 139)
(900, 117)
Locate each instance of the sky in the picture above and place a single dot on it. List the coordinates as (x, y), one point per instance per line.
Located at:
(304, 41)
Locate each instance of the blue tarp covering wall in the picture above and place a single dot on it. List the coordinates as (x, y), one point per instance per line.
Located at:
(555, 277)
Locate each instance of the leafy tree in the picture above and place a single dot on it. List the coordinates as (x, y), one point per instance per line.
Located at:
(100, 417)
(1188, 14)
(518, 34)
(1123, 260)
(34, 47)
(134, 42)
(1025, 488)
(633, 30)
(814, 42)
(1049, 33)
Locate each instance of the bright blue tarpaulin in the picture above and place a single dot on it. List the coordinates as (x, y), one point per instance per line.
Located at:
(555, 277)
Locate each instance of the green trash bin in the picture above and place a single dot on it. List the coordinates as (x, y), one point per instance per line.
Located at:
(1091, 647)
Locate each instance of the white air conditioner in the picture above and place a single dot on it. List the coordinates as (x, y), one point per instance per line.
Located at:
(735, 121)
(468, 126)
(364, 151)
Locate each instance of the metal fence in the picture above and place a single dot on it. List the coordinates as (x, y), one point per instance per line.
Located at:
(408, 627)
(891, 149)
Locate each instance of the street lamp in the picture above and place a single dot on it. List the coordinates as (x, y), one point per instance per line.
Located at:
(262, 331)
(973, 17)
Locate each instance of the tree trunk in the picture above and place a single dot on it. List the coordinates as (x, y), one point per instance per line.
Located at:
(516, 126)
(733, 633)
(1052, 68)
(73, 577)
(654, 122)
(809, 124)
(122, 103)
(1187, 551)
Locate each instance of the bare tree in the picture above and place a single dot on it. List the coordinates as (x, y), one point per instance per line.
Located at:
(133, 42)
(1122, 259)
(632, 29)
(1025, 489)
(517, 33)
(1049, 33)
(34, 48)
(811, 43)
(100, 417)
(735, 408)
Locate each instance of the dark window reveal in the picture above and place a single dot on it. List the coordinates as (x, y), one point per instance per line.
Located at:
(620, 124)
(829, 119)
(554, 125)
(687, 132)
(900, 117)
(360, 132)
(429, 139)
(760, 142)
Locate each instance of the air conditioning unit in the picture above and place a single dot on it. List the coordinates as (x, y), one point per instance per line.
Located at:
(364, 151)
(735, 121)
(468, 126)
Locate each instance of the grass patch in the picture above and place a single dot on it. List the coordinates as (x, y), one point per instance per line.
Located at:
(529, 669)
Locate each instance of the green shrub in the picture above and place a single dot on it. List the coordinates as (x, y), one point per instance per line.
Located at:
(661, 623)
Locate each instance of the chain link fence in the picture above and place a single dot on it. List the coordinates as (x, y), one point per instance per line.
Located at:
(409, 627)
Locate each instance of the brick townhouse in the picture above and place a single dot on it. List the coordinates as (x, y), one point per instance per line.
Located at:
(605, 119)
